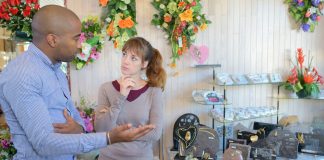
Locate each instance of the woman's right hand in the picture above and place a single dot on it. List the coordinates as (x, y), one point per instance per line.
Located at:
(126, 84)
(126, 133)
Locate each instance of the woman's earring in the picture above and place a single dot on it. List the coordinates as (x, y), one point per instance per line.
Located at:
(143, 75)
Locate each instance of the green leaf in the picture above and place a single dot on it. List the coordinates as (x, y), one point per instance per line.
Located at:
(93, 40)
(126, 1)
(197, 8)
(80, 65)
(297, 17)
(122, 6)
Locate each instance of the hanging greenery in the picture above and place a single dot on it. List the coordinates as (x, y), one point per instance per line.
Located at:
(306, 13)
(119, 18)
(181, 20)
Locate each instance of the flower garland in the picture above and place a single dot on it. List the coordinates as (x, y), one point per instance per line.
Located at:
(91, 39)
(181, 20)
(120, 20)
(306, 13)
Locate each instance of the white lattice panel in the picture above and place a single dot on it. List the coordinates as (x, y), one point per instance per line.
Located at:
(48, 2)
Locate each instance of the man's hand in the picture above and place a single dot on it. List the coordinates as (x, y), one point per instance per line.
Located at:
(70, 127)
(125, 133)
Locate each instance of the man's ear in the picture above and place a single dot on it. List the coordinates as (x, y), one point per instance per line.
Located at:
(52, 40)
(144, 65)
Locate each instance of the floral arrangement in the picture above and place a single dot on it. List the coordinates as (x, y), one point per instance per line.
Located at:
(7, 149)
(119, 17)
(91, 40)
(306, 12)
(16, 15)
(86, 111)
(181, 20)
(303, 80)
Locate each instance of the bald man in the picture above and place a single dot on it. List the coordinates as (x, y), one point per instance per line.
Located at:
(35, 98)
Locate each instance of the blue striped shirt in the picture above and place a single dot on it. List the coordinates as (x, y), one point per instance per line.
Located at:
(33, 94)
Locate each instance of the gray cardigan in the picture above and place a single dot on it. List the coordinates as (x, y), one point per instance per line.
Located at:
(114, 109)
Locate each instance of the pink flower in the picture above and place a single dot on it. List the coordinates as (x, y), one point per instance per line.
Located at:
(183, 24)
(193, 3)
(4, 144)
(318, 18)
(82, 114)
(94, 55)
(82, 37)
(308, 14)
(82, 54)
(88, 124)
(299, 1)
(320, 79)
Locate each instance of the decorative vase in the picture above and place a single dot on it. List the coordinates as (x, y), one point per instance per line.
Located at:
(22, 36)
(302, 94)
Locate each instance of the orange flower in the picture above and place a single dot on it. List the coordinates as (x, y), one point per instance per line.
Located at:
(103, 3)
(195, 29)
(122, 23)
(308, 78)
(115, 44)
(126, 23)
(292, 79)
(167, 18)
(181, 4)
(129, 22)
(300, 57)
(179, 52)
(173, 65)
(110, 29)
(186, 15)
(203, 27)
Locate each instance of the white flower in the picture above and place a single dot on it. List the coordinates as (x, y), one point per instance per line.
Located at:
(86, 50)
(162, 6)
(165, 25)
(192, 37)
(166, 36)
(108, 19)
(198, 17)
(190, 27)
(159, 27)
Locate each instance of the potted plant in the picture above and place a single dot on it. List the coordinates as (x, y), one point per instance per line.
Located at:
(303, 80)
(16, 16)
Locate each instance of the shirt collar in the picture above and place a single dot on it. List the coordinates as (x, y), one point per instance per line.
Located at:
(40, 54)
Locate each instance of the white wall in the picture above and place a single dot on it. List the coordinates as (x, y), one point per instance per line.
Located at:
(246, 36)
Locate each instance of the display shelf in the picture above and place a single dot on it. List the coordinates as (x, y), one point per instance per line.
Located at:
(208, 66)
(301, 156)
(213, 66)
(247, 84)
(201, 99)
(208, 97)
(244, 119)
(289, 97)
(213, 103)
